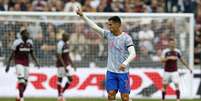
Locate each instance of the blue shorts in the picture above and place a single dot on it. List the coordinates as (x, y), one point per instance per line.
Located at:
(117, 81)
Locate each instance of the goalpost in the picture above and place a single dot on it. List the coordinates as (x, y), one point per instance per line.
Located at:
(149, 33)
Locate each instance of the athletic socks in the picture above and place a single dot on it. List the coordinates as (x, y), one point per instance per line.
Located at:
(163, 95)
(66, 86)
(178, 94)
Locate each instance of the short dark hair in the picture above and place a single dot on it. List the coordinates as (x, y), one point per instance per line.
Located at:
(24, 31)
(172, 39)
(115, 19)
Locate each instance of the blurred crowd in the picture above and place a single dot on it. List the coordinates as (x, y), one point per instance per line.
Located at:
(149, 6)
(150, 39)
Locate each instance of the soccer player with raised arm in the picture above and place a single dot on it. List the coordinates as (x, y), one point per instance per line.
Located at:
(63, 61)
(21, 49)
(121, 52)
(169, 58)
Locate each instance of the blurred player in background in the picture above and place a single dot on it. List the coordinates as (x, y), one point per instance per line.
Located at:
(21, 49)
(121, 52)
(169, 57)
(63, 61)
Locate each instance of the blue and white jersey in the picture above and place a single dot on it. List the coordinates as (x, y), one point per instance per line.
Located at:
(117, 50)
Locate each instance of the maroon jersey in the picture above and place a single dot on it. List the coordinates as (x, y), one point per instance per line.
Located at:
(171, 65)
(63, 49)
(22, 50)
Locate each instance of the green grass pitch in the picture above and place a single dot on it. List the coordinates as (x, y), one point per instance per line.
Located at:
(84, 99)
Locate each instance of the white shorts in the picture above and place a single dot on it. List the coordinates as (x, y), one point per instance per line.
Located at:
(22, 71)
(171, 77)
(62, 73)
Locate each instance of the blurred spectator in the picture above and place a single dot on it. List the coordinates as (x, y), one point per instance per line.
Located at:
(128, 5)
(23, 5)
(46, 35)
(87, 7)
(117, 6)
(156, 57)
(144, 54)
(16, 7)
(197, 54)
(173, 5)
(161, 42)
(55, 5)
(6, 43)
(47, 45)
(198, 17)
(39, 5)
(72, 5)
(78, 43)
(146, 36)
(102, 6)
(21, 26)
(35, 31)
(188, 6)
(4, 5)
(1, 53)
(7, 39)
(48, 38)
(197, 50)
(138, 6)
(95, 3)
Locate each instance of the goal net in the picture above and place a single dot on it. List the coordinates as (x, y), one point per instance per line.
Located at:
(150, 34)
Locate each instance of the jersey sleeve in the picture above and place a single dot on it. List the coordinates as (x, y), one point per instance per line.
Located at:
(15, 44)
(179, 54)
(59, 47)
(31, 42)
(129, 41)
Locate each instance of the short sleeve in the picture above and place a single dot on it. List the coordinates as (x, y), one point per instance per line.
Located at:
(15, 44)
(179, 54)
(31, 43)
(59, 47)
(129, 41)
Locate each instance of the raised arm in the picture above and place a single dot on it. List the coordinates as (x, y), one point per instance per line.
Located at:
(92, 24)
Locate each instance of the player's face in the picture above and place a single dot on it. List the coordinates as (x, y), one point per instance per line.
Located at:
(113, 27)
(25, 35)
(172, 44)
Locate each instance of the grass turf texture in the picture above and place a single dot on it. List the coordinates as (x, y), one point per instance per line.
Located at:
(84, 99)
